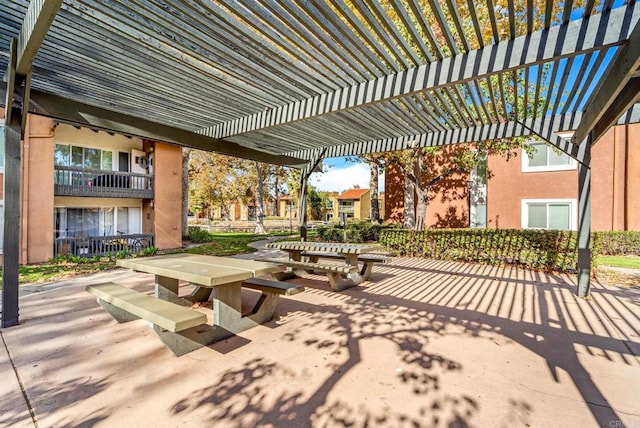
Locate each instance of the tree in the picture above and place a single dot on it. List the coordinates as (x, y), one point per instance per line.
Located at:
(425, 168)
(216, 180)
(259, 201)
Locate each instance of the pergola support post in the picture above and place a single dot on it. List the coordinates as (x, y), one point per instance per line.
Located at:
(11, 242)
(305, 173)
(584, 222)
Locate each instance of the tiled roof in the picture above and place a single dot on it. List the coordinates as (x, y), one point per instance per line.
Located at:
(353, 194)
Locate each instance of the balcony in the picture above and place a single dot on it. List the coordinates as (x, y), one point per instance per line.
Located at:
(97, 183)
(102, 245)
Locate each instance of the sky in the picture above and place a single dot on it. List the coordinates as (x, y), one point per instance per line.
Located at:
(342, 175)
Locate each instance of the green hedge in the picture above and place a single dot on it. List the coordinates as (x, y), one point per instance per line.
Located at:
(549, 250)
(625, 243)
(356, 231)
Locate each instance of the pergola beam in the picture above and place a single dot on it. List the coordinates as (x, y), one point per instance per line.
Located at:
(579, 36)
(615, 93)
(37, 21)
(76, 113)
(544, 127)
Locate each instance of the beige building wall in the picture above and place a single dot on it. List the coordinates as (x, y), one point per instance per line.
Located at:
(363, 206)
(83, 137)
(167, 185)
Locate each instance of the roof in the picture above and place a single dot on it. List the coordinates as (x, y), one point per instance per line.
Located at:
(353, 194)
(263, 80)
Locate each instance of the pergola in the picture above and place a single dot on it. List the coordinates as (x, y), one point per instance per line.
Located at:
(292, 82)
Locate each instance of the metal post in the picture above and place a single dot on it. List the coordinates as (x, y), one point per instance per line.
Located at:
(302, 204)
(11, 249)
(584, 222)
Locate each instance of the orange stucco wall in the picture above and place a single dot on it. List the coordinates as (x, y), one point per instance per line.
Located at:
(448, 202)
(615, 188)
(37, 191)
(167, 184)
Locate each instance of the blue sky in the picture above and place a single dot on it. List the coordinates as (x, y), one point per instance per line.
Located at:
(342, 175)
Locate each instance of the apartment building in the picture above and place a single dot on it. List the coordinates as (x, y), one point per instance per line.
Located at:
(538, 192)
(354, 204)
(86, 192)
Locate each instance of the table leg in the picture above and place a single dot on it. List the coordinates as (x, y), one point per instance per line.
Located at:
(227, 308)
(167, 289)
(227, 319)
(340, 281)
(352, 260)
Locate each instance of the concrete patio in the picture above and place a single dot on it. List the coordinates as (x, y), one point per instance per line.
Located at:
(426, 343)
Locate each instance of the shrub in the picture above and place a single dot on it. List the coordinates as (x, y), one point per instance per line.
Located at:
(617, 243)
(356, 231)
(198, 235)
(549, 250)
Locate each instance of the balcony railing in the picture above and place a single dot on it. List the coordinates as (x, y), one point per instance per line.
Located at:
(102, 245)
(346, 209)
(75, 181)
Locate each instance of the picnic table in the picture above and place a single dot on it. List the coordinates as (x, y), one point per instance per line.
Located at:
(305, 255)
(181, 328)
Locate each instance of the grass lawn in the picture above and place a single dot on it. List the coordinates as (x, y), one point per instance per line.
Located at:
(631, 262)
(219, 244)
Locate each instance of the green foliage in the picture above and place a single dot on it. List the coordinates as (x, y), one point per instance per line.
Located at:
(356, 231)
(150, 251)
(199, 235)
(617, 243)
(548, 250)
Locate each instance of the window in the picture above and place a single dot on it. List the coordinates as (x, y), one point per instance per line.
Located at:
(82, 157)
(84, 222)
(549, 214)
(546, 158)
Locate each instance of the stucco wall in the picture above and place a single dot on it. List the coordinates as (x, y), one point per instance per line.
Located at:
(508, 185)
(83, 137)
(37, 191)
(632, 162)
(615, 188)
(167, 185)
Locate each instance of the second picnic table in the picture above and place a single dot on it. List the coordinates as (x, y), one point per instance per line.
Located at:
(305, 255)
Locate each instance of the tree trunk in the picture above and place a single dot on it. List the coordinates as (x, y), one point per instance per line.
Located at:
(373, 191)
(420, 191)
(421, 208)
(185, 191)
(409, 208)
(260, 229)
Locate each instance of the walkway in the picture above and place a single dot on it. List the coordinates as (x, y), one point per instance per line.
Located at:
(426, 343)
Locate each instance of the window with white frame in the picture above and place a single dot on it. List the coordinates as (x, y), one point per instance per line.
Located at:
(546, 158)
(549, 214)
